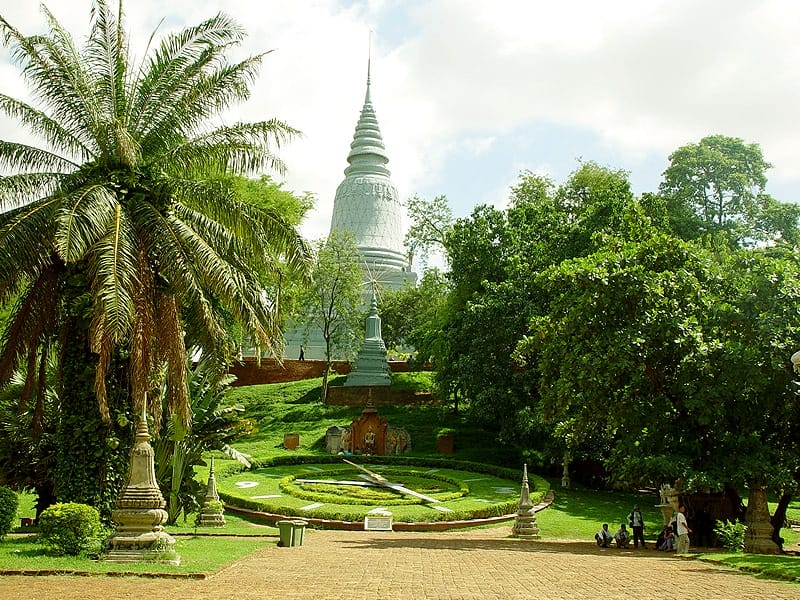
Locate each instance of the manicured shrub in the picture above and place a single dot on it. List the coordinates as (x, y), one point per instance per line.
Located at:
(72, 528)
(8, 509)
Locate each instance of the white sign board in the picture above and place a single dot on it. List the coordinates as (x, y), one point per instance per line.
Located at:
(378, 522)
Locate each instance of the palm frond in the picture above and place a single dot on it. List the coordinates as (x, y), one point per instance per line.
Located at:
(84, 217)
(18, 157)
(173, 67)
(102, 344)
(26, 241)
(49, 65)
(33, 320)
(112, 273)
(237, 289)
(41, 125)
(144, 360)
(22, 188)
(187, 109)
(173, 349)
(263, 237)
(165, 247)
(239, 148)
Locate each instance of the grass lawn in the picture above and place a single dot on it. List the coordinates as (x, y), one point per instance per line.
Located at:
(295, 407)
(577, 513)
(205, 553)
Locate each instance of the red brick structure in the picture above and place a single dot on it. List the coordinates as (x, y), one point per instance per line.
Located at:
(249, 372)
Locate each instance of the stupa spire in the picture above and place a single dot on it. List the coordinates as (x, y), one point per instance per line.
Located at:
(367, 151)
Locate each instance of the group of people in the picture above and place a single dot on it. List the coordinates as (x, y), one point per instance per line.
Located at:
(674, 536)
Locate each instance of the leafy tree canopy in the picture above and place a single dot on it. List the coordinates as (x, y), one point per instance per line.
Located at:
(716, 186)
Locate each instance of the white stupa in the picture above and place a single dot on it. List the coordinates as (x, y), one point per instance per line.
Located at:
(366, 204)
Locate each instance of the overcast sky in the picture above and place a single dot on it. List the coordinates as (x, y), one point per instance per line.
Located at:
(469, 92)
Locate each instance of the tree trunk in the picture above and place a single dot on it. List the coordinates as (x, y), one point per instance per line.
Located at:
(91, 456)
(758, 537)
(45, 497)
(325, 382)
(778, 519)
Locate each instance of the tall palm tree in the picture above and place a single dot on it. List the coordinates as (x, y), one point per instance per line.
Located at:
(121, 233)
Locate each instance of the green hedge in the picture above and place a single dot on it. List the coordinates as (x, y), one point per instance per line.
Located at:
(72, 528)
(9, 502)
(288, 486)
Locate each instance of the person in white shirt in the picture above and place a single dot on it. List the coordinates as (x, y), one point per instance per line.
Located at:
(682, 546)
(603, 537)
(636, 523)
(622, 536)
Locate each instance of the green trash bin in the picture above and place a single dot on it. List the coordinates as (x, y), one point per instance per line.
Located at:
(286, 531)
(298, 529)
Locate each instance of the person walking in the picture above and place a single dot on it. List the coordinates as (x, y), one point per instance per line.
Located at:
(682, 546)
(636, 523)
(302, 353)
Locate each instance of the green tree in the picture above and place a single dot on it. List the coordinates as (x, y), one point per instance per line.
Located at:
(676, 357)
(431, 220)
(411, 316)
(121, 235)
(333, 301)
(716, 186)
(495, 256)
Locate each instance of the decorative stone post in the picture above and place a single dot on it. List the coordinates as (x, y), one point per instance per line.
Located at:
(565, 471)
(211, 513)
(140, 510)
(758, 536)
(525, 523)
(669, 502)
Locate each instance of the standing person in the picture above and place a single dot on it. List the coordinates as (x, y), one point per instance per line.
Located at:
(302, 353)
(683, 531)
(636, 522)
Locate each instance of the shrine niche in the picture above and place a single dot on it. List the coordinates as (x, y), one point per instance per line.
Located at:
(368, 433)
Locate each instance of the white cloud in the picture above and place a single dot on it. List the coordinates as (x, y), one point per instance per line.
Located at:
(643, 77)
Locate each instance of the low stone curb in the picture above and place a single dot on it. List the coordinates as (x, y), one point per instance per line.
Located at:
(45, 572)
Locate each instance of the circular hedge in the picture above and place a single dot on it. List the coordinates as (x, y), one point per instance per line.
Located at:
(463, 490)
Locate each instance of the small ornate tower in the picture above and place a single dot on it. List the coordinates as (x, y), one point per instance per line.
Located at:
(366, 203)
(140, 513)
(371, 368)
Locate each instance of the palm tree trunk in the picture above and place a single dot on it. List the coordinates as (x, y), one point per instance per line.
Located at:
(91, 456)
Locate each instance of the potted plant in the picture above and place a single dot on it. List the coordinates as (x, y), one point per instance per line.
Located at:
(291, 440)
(445, 440)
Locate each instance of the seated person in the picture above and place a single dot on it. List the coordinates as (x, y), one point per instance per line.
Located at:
(603, 537)
(623, 536)
(666, 539)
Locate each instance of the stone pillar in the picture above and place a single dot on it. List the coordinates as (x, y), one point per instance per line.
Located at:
(758, 536)
(565, 471)
(140, 513)
(525, 523)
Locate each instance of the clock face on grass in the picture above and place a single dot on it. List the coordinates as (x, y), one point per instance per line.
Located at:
(351, 491)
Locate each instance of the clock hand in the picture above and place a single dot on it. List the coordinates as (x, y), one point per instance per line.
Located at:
(404, 490)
